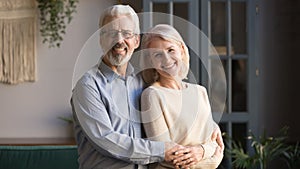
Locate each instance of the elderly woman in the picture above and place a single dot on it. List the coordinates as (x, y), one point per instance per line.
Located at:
(174, 110)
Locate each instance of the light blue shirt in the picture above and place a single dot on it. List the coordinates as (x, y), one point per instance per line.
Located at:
(107, 121)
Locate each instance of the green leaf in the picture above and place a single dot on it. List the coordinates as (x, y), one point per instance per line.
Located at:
(52, 19)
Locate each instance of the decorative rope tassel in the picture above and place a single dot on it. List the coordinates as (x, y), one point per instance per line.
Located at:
(17, 41)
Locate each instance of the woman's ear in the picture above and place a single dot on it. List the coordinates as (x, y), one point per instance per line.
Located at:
(182, 49)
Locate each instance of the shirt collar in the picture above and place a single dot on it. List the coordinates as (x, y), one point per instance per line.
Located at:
(111, 75)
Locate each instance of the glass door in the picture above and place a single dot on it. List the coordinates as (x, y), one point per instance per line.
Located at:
(229, 25)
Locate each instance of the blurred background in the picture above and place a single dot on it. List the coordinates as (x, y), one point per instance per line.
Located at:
(256, 40)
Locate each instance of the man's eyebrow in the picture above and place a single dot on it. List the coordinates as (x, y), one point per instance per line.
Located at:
(116, 30)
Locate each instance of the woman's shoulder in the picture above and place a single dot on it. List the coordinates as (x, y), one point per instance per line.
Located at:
(197, 86)
(150, 90)
(154, 87)
(152, 94)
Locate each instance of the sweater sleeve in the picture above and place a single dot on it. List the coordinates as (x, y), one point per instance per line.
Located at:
(210, 160)
(152, 106)
(210, 163)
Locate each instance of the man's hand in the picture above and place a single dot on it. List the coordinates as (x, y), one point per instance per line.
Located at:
(191, 155)
(188, 157)
(171, 150)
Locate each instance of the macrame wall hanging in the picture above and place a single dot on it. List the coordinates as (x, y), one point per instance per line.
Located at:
(17, 41)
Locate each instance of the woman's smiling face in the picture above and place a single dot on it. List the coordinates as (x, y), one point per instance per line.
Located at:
(166, 56)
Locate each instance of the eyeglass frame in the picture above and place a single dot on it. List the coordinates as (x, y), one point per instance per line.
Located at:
(115, 33)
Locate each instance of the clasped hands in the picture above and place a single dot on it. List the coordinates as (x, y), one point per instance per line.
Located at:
(187, 156)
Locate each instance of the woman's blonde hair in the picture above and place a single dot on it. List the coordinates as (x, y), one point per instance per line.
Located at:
(168, 33)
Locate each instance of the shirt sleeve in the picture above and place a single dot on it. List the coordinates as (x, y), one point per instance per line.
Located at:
(153, 119)
(96, 124)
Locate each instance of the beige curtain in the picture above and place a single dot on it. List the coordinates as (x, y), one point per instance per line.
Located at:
(17, 41)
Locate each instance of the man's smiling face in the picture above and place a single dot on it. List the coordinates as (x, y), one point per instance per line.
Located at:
(118, 39)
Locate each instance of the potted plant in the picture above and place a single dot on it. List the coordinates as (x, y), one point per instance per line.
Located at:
(265, 150)
(292, 156)
(54, 16)
(66, 119)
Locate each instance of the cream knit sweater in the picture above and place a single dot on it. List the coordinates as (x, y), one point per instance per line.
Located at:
(182, 116)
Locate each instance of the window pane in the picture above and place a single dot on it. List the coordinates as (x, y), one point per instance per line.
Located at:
(218, 27)
(239, 85)
(239, 133)
(223, 127)
(218, 86)
(225, 162)
(181, 10)
(163, 8)
(239, 29)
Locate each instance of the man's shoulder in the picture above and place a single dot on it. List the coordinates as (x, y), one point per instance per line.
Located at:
(91, 73)
(90, 77)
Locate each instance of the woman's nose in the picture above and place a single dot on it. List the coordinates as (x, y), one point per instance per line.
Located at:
(166, 56)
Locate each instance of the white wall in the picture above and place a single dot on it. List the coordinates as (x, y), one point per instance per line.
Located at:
(30, 110)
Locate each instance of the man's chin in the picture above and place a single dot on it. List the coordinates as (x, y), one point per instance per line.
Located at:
(120, 53)
(117, 61)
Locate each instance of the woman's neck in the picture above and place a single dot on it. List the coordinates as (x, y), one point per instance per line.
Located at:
(171, 83)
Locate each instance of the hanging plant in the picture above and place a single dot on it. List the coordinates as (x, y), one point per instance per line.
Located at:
(54, 16)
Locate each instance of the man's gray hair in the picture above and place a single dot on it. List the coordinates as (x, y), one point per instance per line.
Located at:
(120, 10)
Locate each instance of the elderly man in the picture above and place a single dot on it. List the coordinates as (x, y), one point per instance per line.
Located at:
(105, 102)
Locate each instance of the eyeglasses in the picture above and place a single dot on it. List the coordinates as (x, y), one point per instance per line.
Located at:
(126, 34)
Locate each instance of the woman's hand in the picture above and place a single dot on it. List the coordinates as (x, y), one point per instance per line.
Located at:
(217, 136)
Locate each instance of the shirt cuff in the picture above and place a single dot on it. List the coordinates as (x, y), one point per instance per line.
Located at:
(158, 152)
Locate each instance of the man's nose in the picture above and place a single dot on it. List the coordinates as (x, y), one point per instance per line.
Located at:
(119, 37)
